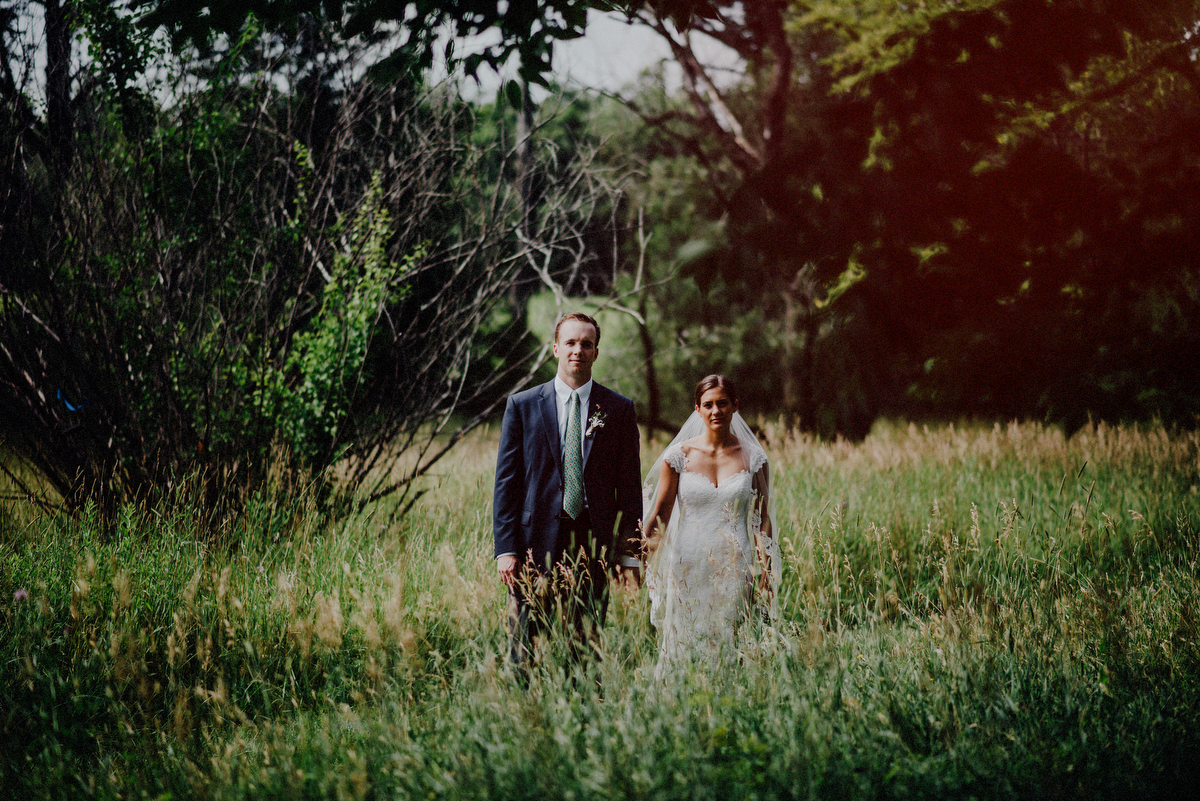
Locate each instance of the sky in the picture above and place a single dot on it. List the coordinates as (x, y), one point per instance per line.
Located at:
(610, 55)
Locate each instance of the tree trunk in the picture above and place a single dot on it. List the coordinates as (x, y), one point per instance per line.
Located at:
(653, 396)
(60, 124)
(790, 389)
(526, 279)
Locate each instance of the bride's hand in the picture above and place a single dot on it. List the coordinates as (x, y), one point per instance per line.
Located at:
(649, 546)
(651, 540)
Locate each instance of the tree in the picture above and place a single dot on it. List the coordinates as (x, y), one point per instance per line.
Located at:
(222, 297)
(40, 148)
(1034, 167)
(767, 149)
(949, 208)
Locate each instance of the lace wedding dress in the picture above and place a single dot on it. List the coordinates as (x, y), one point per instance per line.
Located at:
(702, 579)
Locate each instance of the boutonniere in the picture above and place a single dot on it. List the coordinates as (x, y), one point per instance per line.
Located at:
(594, 422)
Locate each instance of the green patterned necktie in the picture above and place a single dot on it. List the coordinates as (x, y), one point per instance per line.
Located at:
(573, 462)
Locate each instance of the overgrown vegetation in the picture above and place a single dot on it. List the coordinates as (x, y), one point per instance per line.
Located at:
(285, 267)
(967, 611)
(234, 236)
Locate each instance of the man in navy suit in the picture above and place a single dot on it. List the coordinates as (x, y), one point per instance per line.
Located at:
(568, 496)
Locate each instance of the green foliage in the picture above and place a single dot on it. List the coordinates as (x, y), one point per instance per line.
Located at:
(326, 360)
(120, 52)
(306, 396)
(966, 611)
(980, 208)
(1024, 139)
(266, 280)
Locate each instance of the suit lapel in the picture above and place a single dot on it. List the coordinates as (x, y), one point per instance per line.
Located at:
(593, 405)
(548, 405)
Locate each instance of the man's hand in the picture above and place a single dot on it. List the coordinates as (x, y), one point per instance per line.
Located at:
(506, 566)
(630, 577)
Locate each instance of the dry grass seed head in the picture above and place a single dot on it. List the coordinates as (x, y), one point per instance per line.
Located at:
(327, 620)
(363, 618)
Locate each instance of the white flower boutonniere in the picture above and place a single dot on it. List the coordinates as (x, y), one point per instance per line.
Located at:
(594, 422)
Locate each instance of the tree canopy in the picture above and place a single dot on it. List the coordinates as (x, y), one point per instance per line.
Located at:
(952, 208)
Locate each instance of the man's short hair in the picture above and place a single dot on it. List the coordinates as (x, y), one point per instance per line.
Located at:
(581, 317)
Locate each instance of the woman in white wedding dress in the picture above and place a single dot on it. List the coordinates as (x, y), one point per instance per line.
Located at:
(710, 535)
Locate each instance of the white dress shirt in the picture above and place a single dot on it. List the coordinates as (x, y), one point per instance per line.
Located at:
(563, 392)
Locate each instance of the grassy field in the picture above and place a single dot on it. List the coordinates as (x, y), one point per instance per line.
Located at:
(988, 612)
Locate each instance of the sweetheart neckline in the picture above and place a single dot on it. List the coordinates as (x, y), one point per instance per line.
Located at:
(710, 481)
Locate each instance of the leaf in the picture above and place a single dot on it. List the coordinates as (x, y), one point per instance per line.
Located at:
(694, 250)
(853, 273)
(512, 91)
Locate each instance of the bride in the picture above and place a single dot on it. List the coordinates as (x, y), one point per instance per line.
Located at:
(709, 538)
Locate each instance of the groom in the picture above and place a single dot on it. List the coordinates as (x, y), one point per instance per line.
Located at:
(568, 496)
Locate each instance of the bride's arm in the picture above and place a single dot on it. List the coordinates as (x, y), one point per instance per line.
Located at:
(668, 487)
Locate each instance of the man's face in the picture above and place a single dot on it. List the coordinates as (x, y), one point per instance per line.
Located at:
(576, 351)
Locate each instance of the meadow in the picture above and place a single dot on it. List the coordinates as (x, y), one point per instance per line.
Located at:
(970, 611)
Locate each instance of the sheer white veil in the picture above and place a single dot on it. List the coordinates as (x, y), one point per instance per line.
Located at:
(755, 462)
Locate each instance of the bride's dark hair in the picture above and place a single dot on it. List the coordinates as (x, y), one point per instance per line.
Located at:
(714, 381)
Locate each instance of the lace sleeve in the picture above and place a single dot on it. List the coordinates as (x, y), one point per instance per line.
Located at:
(675, 457)
(758, 458)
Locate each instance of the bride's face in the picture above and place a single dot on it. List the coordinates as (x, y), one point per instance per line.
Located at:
(716, 408)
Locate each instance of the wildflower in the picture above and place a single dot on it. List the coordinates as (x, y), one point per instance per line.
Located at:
(20, 594)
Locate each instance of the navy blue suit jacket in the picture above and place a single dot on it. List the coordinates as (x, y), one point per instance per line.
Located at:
(529, 476)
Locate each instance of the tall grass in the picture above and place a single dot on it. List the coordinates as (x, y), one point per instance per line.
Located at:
(974, 611)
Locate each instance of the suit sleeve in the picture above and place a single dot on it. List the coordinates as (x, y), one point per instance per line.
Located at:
(629, 487)
(509, 495)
